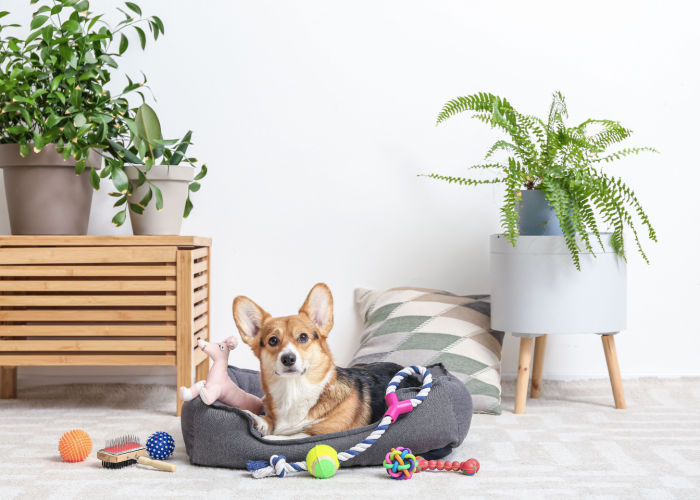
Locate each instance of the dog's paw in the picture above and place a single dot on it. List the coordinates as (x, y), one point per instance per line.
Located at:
(260, 423)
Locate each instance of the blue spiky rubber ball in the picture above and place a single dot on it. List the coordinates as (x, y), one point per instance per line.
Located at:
(160, 445)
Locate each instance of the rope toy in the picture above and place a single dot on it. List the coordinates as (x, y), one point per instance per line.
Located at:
(278, 465)
(400, 463)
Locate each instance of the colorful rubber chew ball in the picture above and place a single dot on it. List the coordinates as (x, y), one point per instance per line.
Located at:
(470, 467)
(400, 463)
(160, 445)
(75, 445)
(322, 461)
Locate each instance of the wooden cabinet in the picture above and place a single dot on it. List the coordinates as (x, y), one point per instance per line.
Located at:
(103, 300)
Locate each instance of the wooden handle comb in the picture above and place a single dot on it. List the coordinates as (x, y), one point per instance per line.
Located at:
(158, 464)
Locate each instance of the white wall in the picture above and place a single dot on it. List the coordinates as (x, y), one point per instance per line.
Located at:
(315, 117)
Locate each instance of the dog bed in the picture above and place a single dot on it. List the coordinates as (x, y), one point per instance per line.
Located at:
(223, 436)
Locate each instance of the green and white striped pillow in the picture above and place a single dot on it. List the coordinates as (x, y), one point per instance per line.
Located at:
(422, 326)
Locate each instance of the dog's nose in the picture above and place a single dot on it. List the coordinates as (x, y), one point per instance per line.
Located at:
(289, 358)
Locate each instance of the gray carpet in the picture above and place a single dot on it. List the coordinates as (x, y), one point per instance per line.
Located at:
(571, 443)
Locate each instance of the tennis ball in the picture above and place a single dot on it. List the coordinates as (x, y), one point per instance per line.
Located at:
(75, 445)
(322, 461)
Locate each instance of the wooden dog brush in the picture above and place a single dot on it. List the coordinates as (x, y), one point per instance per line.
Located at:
(127, 450)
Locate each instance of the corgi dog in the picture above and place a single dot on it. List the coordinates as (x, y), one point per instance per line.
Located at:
(305, 393)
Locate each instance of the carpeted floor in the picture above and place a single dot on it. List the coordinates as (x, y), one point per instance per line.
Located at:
(571, 443)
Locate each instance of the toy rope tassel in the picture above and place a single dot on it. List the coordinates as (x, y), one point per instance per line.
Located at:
(278, 466)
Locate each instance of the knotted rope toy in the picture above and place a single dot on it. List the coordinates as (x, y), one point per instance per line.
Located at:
(400, 463)
(278, 465)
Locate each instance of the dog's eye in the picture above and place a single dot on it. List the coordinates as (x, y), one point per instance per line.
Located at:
(273, 341)
(302, 338)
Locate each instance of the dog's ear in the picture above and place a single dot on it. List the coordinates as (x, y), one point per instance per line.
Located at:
(249, 319)
(319, 308)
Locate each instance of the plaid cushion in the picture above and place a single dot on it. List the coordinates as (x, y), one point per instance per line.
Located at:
(422, 326)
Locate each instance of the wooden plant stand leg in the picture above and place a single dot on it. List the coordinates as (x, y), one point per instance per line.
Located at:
(614, 371)
(184, 366)
(202, 370)
(537, 365)
(523, 374)
(8, 382)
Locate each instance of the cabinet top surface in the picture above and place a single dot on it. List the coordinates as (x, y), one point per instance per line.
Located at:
(122, 241)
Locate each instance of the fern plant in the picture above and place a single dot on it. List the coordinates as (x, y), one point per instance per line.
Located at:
(564, 163)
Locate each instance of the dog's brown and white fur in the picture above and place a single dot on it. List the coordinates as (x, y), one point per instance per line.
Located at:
(305, 393)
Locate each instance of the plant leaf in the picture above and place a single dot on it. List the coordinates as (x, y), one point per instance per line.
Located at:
(134, 7)
(71, 26)
(56, 82)
(119, 218)
(159, 23)
(147, 198)
(159, 197)
(188, 208)
(79, 120)
(136, 208)
(201, 173)
(94, 179)
(142, 36)
(37, 21)
(181, 149)
(148, 127)
(80, 166)
(123, 44)
(120, 180)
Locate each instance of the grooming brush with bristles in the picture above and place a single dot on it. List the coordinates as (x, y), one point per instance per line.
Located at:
(127, 450)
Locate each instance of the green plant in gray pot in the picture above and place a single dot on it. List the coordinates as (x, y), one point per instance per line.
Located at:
(158, 177)
(56, 110)
(565, 190)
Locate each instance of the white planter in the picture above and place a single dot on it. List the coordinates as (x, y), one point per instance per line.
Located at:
(536, 289)
(173, 182)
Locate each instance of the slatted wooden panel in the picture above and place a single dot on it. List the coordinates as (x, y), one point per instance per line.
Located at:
(200, 295)
(193, 275)
(88, 305)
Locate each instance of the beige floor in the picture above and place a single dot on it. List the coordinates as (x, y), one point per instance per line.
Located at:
(569, 444)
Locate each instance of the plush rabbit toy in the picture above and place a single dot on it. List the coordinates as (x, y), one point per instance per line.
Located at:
(219, 386)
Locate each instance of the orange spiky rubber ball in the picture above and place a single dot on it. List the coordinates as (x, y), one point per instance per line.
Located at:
(75, 445)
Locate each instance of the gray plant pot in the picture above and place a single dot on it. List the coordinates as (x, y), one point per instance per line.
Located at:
(44, 196)
(536, 215)
(173, 182)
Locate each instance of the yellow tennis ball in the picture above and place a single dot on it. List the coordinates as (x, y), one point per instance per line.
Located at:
(322, 461)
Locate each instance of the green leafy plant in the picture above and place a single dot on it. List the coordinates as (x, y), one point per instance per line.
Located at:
(147, 148)
(564, 163)
(53, 83)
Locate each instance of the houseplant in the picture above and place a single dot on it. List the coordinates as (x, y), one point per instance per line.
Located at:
(153, 172)
(57, 110)
(560, 165)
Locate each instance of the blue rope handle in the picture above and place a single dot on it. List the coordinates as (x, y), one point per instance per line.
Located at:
(278, 465)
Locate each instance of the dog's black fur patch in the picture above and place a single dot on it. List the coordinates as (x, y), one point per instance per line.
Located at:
(374, 377)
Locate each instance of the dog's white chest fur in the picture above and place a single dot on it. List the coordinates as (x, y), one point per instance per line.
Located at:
(292, 399)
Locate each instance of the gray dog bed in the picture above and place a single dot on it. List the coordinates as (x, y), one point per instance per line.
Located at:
(223, 436)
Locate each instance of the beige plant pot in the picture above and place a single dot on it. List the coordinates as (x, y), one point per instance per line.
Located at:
(173, 182)
(44, 196)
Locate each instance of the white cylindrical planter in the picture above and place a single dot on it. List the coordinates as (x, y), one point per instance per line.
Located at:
(536, 289)
(173, 182)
